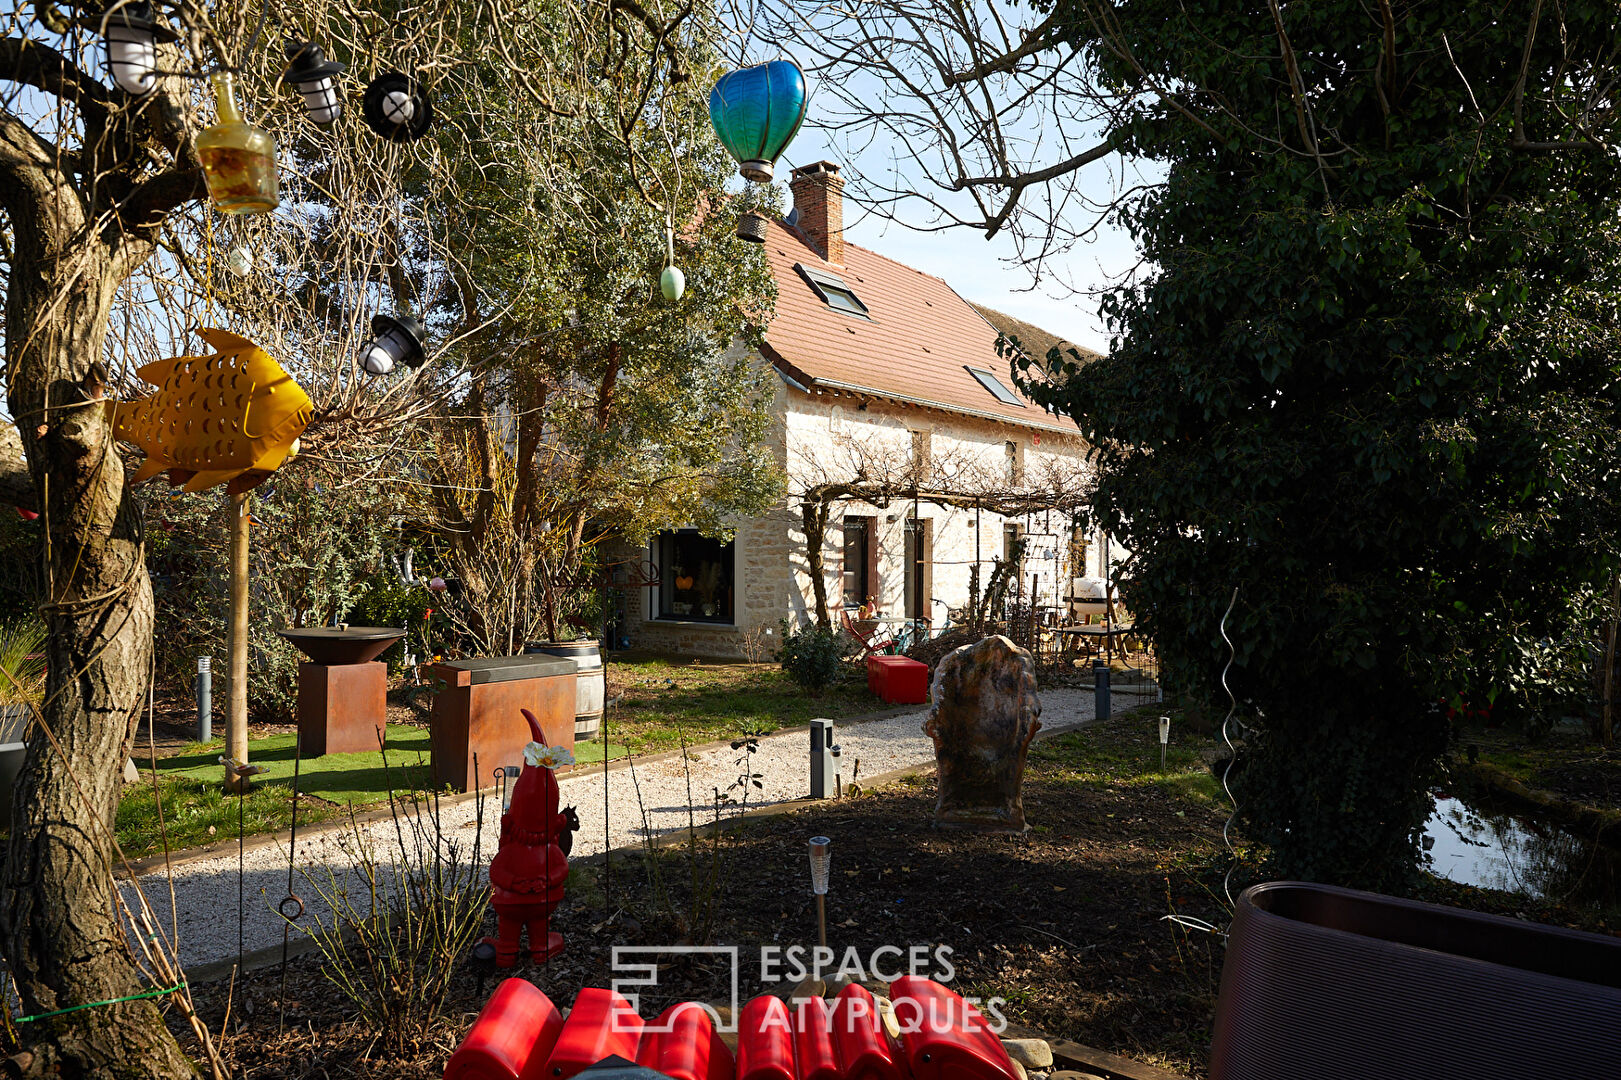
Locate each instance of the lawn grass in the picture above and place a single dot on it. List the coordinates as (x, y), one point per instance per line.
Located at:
(196, 811)
(665, 703)
(1126, 751)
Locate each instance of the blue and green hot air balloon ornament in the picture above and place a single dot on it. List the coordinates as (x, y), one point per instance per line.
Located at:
(757, 112)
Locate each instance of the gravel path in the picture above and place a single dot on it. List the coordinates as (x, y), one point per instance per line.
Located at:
(206, 890)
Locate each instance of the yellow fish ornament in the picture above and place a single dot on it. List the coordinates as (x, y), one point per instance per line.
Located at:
(233, 416)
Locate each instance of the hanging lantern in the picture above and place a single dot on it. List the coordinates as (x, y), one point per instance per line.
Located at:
(315, 78)
(672, 283)
(239, 159)
(394, 341)
(757, 112)
(132, 45)
(396, 107)
(240, 261)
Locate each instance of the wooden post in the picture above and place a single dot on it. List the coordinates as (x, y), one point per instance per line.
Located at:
(236, 716)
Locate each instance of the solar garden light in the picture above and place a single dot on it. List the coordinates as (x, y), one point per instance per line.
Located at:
(394, 341)
(315, 78)
(1164, 739)
(821, 864)
(132, 45)
(205, 704)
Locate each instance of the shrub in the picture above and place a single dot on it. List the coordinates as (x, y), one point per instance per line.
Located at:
(317, 551)
(811, 656)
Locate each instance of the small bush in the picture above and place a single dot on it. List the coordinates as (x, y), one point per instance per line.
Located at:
(811, 656)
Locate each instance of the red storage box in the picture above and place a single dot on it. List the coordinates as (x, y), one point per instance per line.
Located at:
(899, 680)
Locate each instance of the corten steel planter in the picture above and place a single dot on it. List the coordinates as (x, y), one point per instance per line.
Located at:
(478, 723)
(1333, 984)
(343, 691)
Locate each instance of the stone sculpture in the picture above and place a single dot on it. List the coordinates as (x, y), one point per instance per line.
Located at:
(984, 716)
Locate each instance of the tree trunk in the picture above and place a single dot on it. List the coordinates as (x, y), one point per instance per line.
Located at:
(62, 936)
(815, 517)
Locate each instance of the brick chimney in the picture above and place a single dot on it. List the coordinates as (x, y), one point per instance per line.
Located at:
(819, 197)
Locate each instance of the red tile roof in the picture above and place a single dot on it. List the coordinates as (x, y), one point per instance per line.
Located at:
(915, 347)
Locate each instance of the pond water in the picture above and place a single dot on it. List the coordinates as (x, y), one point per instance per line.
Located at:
(1495, 849)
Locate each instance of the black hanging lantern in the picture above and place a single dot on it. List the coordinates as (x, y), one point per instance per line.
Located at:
(397, 108)
(395, 340)
(132, 45)
(316, 79)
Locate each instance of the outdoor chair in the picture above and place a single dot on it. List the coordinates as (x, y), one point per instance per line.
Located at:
(877, 640)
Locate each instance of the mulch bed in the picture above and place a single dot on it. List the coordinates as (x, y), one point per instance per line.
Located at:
(1064, 923)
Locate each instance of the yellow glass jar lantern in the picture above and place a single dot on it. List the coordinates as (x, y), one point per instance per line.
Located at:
(239, 159)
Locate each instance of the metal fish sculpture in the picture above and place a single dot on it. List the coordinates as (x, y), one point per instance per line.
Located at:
(230, 417)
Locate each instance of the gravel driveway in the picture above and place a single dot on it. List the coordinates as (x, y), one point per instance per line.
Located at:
(206, 890)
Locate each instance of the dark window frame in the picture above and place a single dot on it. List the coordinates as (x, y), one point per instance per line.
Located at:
(667, 595)
(862, 575)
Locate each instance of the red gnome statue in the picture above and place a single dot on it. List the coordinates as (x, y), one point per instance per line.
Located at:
(529, 868)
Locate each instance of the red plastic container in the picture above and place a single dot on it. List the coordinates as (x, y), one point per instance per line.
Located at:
(943, 1036)
(815, 1057)
(899, 680)
(765, 1041)
(863, 1045)
(683, 1044)
(512, 1037)
(601, 1024)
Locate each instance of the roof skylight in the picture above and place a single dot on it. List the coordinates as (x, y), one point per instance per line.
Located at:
(833, 290)
(997, 390)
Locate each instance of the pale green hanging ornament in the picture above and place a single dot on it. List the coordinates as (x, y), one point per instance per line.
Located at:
(672, 283)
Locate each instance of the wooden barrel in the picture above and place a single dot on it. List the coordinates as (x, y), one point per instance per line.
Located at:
(590, 687)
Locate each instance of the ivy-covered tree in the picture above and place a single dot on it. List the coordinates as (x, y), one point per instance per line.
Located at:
(601, 408)
(1368, 379)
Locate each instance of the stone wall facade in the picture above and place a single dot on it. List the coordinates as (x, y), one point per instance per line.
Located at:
(817, 437)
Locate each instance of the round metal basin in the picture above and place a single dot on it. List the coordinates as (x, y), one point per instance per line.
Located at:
(332, 645)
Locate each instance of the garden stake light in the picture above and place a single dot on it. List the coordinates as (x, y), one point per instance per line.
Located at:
(132, 38)
(205, 702)
(394, 341)
(821, 864)
(316, 80)
(1164, 739)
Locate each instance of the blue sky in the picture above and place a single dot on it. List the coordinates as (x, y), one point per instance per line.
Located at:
(980, 269)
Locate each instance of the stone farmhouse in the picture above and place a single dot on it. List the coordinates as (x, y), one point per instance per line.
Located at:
(898, 420)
